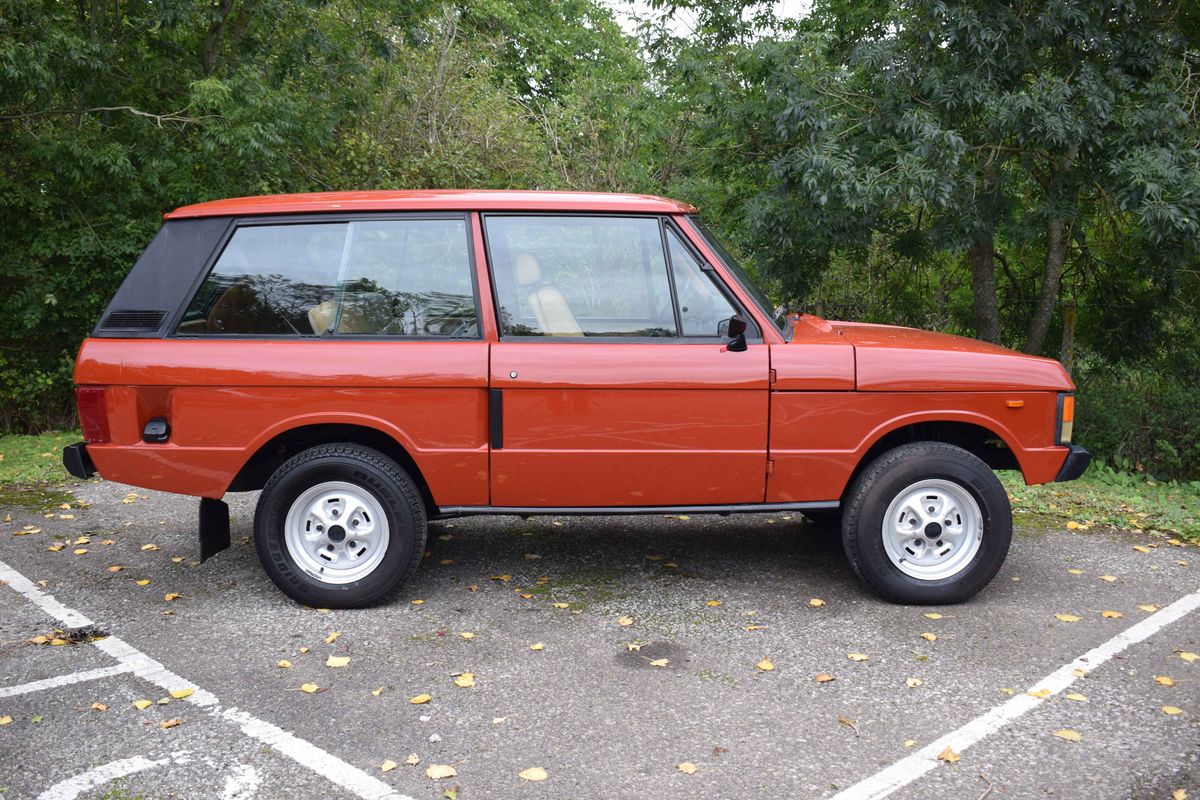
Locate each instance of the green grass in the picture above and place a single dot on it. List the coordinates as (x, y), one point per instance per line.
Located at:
(34, 460)
(1106, 498)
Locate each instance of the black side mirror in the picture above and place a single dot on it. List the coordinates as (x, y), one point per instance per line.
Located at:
(735, 329)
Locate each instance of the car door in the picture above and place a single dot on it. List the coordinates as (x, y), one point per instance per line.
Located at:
(611, 384)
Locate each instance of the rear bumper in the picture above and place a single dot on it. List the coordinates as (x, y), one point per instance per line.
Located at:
(1077, 461)
(77, 461)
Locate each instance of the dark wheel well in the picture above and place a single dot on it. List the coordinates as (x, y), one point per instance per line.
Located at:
(975, 439)
(262, 465)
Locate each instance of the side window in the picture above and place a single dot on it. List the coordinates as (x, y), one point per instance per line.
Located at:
(375, 277)
(580, 276)
(703, 307)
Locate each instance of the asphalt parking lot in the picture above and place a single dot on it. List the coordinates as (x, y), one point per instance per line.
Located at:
(607, 710)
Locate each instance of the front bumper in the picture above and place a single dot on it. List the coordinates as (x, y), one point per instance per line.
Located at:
(1077, 461)
(77, 461)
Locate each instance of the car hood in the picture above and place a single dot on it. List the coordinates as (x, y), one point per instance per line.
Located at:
(893, 359)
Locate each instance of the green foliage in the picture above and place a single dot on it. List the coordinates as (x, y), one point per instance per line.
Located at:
(30, 460)
(1105, 497)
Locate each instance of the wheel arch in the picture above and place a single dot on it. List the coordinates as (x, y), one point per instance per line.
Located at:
(980, 436)
(281, 443)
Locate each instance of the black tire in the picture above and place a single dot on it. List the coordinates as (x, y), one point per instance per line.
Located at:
(883, 481)
(370, 472)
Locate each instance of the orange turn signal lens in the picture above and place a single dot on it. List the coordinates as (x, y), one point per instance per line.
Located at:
(1068, 411)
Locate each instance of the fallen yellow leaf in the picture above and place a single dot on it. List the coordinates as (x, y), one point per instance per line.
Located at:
(624, 622)
(1069, 735)
(857, 656)
(949, 756)
(388, 765)
(1039, 693)
(465, 680)
(755, 627)
(1111, 614)
(149, 547)
(1172, 710)
(337, 661)
(170, 723)
(1163, 680)
(115, 568)
(377, 692)
(467, 635)
(501, 578)
(142, 705)
(331, 638)
(304, 649)
(169, 596)
(929, 637)
(54, 548)
(766, 665)
(1067, 617)
(80, 551)
(932, 615)
(420, 699)
(1179, 794)
(1076, 696)
(712, 603)
(417, 602)
(1075, 571)
(180, 694)
(816, 602)
(562, 605)
(687, 768)
(285, 664)
(910, 743)
(1141, 548)
(1186, 656)
(309, 688)
(913, 683)
(5, 720)
(824, 677)
(533, 774)
(537, 646)
(439, 772)
(99, 707)
(659, 662)
(1108, 578)
(143, 582)
(412, 760)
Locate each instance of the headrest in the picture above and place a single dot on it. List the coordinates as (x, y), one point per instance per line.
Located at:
(526, 269)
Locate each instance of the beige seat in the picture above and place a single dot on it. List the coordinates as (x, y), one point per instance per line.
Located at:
(550, 308)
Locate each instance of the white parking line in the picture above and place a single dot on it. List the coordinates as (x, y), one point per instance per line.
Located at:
(912, 767)
(72, 787)
(303, 752)
(64, 680)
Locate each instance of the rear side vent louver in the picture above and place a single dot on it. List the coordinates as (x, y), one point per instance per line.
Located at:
(133, 321)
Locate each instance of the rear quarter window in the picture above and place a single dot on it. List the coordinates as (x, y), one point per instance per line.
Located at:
(386, 277)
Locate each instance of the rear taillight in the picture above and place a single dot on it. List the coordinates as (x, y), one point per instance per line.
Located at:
(1066, 417)
(93, 413)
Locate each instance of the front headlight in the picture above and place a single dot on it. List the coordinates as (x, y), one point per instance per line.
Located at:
(1066, 417)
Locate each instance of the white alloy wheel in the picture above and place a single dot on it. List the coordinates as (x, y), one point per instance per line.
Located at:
(932, 529)
(336, 532)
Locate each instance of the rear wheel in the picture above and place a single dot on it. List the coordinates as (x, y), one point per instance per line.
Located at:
(927, 523)
(340, 526)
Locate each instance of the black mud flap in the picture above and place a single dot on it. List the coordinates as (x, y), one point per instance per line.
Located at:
(214, 527)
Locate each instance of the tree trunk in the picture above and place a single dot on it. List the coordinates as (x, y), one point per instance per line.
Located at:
(983, 289)
(1056, 254)
(211, 55)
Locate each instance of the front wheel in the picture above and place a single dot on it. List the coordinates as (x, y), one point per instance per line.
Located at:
(340, 526)
(927, 523)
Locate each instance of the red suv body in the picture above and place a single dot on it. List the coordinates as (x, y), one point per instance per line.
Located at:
(445, 353)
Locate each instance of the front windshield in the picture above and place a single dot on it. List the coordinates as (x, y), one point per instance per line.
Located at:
(777, 315)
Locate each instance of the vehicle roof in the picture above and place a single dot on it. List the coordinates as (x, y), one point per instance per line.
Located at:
(433, 200)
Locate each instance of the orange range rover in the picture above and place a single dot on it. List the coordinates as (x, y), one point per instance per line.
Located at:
(375, 360)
